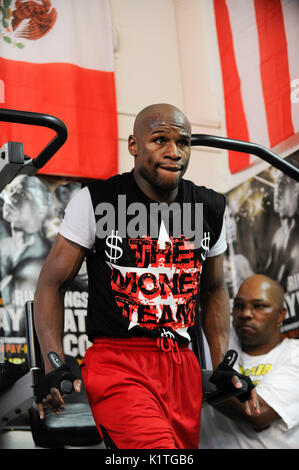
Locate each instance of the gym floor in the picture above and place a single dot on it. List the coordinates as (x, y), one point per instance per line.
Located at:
(22, 439)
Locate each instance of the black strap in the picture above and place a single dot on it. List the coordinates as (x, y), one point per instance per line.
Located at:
(223, 374)
(61, 378)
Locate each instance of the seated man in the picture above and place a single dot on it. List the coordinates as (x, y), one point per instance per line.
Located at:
(272, 364)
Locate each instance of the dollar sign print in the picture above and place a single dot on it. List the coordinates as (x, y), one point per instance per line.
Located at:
(205, 244)
(115, 250)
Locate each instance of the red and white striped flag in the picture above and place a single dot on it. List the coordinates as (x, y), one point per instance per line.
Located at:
(57, 58)
(259, 54)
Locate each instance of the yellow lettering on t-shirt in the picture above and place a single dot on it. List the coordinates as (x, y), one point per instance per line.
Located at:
(260, 369)
(267, 368)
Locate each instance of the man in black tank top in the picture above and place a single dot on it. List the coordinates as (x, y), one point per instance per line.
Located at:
(154, 247)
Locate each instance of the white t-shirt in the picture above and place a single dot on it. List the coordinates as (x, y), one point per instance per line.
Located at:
(79, 224)
(276, 375)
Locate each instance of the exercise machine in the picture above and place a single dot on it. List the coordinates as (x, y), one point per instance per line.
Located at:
(17, 396)
(76, 426)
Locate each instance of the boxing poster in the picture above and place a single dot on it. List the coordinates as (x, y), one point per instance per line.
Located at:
(263, 233)
(31, 209)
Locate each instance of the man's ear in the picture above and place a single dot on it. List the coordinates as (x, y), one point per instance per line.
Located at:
(132, 145)
(282, 314)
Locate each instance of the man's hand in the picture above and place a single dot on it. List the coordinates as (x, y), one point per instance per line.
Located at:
(54, 384)
(55, 401)
(252, 406)
(224, 376)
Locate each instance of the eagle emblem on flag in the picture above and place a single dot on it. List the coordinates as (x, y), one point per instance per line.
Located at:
(30, 20)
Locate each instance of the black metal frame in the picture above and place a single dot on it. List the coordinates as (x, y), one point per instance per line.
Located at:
(13, 164)
(246, 147)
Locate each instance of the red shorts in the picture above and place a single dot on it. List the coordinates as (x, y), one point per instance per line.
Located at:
(146, 393)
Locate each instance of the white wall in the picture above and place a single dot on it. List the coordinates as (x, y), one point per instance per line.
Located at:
(167, 52)
(147, 67)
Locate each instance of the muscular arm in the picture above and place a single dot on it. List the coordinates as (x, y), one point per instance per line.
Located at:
(214, 304)
(60, 268)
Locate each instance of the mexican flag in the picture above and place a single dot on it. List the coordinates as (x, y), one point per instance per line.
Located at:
(57, 59)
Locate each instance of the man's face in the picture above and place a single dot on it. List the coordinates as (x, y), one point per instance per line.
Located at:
(19, 206)
(286, 196)
(162, 150)
(257, 311)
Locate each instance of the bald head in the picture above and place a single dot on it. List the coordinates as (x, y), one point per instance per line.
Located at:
(265, 285)
(257, 314)
(160, 112)
(161, 146)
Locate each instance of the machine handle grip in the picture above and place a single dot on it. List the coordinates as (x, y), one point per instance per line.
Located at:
(42, 120)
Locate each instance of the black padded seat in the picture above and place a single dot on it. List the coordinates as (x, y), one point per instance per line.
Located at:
(75, 425)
